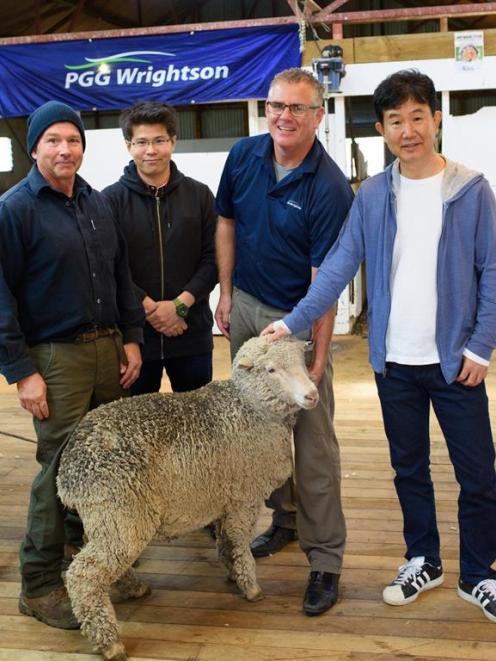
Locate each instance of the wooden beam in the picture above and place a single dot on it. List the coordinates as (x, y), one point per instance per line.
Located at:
(76, 14)
(374, 16)
(337, 30)
(410, 14)
(155, 30)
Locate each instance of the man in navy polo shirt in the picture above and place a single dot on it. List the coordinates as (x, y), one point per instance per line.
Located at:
(281, 203)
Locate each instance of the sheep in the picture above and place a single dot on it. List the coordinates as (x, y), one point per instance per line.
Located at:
(167, 464)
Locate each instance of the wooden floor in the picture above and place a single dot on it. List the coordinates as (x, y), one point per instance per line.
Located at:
(195, 615)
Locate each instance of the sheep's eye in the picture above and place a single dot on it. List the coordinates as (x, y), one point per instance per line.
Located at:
(271, 370)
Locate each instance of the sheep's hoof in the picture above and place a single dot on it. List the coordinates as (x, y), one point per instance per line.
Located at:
(115, 652)
(123, 592)
(121, 656)
(141, 590)
(254, 595)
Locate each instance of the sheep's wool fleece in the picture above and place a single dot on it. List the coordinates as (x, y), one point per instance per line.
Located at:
(177, 461)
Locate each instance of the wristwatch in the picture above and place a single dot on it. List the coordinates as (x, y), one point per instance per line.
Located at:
(181, 308)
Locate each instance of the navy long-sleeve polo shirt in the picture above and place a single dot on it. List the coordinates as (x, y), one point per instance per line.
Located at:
(282, 228)
(64, 270)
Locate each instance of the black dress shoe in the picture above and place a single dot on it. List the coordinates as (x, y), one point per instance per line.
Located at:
(321, 593)
(272, 540)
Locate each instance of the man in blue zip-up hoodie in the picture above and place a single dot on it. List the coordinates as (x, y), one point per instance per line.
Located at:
(426, 228)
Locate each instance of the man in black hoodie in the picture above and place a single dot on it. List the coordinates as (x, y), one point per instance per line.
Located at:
(168, 220)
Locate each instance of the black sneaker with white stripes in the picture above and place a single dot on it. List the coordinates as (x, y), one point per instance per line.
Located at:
(413, 578)
(483, 595)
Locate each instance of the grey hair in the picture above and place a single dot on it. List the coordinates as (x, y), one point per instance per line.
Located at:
(296, 75)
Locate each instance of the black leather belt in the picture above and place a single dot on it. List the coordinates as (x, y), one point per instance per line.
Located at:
(92, 335)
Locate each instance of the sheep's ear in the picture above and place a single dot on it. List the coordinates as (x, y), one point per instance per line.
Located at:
(245, 363)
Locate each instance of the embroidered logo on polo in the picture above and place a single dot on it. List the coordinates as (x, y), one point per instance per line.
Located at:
(294, 204)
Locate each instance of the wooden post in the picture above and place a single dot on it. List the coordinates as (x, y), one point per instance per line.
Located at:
(337, 30)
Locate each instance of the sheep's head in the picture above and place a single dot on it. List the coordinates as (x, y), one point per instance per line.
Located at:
(277, 371)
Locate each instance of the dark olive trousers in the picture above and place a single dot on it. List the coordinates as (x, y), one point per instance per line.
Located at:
(79, 377)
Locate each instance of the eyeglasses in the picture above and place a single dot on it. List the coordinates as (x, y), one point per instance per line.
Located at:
(141, 143)
(296, 109)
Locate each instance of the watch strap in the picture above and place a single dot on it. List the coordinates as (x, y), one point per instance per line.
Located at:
(181, 308)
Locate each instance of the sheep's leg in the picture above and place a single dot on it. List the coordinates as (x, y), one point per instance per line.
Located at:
(224, 548)
(113, 544)
(88, 581)
(237, 528)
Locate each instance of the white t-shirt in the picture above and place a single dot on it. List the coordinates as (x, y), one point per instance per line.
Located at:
(411, 333)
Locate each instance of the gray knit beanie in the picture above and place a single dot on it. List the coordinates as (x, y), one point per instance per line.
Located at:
(46, 115)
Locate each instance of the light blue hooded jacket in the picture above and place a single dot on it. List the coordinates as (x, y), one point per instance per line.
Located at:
(466, 266)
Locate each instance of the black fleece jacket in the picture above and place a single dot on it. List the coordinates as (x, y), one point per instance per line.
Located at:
(171, 243)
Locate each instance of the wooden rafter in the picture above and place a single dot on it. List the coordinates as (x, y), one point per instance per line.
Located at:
(372, 16)
(76, 14)
(311, 8)
(410, 14)
(295, 8)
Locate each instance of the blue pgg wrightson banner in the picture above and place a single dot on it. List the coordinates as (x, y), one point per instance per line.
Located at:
(182, 68)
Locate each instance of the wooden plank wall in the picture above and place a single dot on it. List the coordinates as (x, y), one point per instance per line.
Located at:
(396, 48)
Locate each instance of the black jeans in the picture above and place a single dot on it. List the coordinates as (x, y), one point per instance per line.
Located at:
(406, 393)
(185, 373)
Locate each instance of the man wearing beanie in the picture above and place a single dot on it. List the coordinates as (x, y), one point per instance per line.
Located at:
(70, 330)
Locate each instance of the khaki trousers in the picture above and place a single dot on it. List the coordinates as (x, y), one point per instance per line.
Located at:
(311, 502)
(79, 377)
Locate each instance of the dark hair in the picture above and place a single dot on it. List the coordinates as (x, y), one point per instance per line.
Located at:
(401, 86)
(148, 112)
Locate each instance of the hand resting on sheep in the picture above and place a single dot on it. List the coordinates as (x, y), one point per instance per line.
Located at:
(167, 464)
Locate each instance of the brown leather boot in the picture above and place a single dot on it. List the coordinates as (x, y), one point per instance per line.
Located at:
(53, 608)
